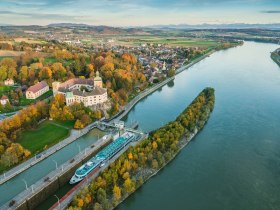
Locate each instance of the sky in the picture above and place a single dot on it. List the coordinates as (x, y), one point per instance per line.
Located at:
(139, 12)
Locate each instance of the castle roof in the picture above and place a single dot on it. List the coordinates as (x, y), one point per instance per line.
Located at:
(39, 86)
(69, 95)
(96, 91)
(64, 87)
(76, 81)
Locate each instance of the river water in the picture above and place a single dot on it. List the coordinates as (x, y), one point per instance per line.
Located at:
(234, 163)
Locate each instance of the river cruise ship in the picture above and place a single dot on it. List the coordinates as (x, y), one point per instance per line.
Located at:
(103, 156)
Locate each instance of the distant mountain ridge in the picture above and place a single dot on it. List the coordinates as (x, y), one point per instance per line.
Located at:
(100, 29)
(218, 26)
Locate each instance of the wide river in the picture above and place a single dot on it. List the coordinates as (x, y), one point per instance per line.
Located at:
(234, 163)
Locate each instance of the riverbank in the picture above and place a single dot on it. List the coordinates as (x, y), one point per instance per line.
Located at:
(275, 56)
(124, 111)
(143, 161)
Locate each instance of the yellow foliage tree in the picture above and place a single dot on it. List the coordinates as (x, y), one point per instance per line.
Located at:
(78, 125)
(117, 192)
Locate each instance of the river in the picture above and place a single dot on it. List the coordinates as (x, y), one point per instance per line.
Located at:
(234, 163)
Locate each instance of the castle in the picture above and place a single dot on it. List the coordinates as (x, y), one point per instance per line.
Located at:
(88, 91)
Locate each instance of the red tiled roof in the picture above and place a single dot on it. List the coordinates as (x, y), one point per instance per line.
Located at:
(75, 81)
(35, 88)
(4, 97)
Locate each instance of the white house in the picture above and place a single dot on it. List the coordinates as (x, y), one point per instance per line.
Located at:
(9, 82)
(4, 100)
(37, 90)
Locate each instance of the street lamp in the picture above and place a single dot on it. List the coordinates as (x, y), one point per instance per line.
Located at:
(25, 184)
(57, 201)
(79, 148)
(55, 163)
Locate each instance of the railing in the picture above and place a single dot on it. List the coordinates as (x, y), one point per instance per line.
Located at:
(52, 176)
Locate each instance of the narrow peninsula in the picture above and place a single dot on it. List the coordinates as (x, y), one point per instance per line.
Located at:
(275, 56)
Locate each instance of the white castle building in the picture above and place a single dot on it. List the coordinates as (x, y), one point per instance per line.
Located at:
(88, 91)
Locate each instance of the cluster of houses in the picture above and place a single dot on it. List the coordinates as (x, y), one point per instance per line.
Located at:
(156, 59)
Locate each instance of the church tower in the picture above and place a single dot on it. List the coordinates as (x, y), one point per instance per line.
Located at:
(97, 80)
(164, 66)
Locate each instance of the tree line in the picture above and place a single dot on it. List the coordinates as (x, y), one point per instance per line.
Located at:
(138, 163)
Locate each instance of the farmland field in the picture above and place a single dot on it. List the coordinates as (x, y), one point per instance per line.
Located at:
(9, 53)
(137, 40)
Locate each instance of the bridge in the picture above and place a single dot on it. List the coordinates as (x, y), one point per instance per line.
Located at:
(118, 126)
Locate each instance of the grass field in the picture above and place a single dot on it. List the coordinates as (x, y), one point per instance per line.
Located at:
(5, 89)
(51, 60)
(2, 57)
(9, 53)
(27, 40)
(69, 124)
(48, 133)
(169, 40)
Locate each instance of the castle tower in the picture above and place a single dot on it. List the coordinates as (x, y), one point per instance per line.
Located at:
(55, 86)
(98, 80)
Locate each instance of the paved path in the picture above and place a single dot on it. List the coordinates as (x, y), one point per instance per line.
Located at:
(62, 126)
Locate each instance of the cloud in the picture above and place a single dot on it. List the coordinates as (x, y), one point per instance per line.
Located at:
(271, 11)
(40, 15)
(137, 11)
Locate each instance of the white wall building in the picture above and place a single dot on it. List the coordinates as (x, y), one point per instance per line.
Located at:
(9, 82)
(37, 90)
(87, 91)
(4, 100)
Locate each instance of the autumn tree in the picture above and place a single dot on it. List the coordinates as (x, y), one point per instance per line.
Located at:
(78, 124)
(3, 73)
(23, 74)
(11, 66)
(59, 72)
(45, 73)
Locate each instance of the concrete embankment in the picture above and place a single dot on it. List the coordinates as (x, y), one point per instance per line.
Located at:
(47, 186)
(66, 199)
(74, 135)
